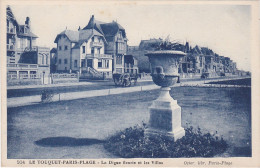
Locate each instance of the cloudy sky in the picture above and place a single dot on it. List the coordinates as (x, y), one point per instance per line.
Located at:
(223, 28)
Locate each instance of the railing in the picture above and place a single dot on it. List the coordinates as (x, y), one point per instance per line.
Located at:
(23, 66)
(120, 38)
(96, 44)
(64, 75)
(28, 49)
(11, 30)
(94, 72)
(98, 56)
(10, 47)
(23, 76)
(121, 51)
(129, 65)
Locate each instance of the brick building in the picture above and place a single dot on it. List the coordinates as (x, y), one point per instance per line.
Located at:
(25, 60)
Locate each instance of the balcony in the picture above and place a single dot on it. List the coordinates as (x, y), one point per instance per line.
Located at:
(121, 51)
(96, 44)
(21, 66)
(99, 56)
(11, 30)
(30, 49)
(10, 47)
(120, 39)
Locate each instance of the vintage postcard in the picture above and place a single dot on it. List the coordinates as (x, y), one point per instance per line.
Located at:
(130, 83)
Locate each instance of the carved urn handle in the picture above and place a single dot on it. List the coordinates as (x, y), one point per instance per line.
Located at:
(159, 73)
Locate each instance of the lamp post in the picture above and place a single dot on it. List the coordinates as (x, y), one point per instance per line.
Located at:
(165, 113)
(43, 76)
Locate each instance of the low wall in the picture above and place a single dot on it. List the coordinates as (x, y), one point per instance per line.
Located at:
(64, 80)
(189, 75)
(14, 82)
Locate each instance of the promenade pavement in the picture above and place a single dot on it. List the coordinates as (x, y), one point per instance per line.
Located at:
(30, 100)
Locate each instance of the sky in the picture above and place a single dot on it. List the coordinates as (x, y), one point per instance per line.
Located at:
(225, 29)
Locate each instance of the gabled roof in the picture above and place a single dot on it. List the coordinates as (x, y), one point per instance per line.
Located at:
(150, 44)
(78, 44)
(88, 33)
(10, 16)
(107, 29)
(53, 50)
(85, 35)
(73, 36)
(110, 29)
(29, 34)
(196, 50)
(94, 24)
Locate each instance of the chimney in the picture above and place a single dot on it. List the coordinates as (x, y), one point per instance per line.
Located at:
(27, 21)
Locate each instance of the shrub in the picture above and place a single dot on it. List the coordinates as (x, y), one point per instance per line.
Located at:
(131, 143)
(46, 95)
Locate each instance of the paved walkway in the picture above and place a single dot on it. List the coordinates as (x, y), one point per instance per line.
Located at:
(63, 84)
(30, 100)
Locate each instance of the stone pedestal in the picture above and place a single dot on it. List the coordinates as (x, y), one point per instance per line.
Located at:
(165, 117)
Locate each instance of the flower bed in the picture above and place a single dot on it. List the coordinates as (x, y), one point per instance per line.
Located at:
(131, 143)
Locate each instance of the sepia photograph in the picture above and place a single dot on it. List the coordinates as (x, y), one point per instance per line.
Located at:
(89, 83)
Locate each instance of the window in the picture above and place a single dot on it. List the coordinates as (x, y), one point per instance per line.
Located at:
(119, 60)
(83, 63)
(100, 63)
(107, 63)
(66, 47)
(83, 49)
(120, 34)
(98, 50)
(92, 50)
(59, 61)
(47, 62)
(43, 59)
(65, 61)
(59, 47)
(75, 63)
(92, 39)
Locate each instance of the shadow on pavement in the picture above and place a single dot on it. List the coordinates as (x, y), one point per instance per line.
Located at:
(66, 141)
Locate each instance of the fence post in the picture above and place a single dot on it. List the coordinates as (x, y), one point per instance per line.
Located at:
(78, 75)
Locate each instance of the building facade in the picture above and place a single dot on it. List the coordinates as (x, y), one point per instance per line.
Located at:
(198, 60)
(98, 47)
(25, 59)
(82, 51)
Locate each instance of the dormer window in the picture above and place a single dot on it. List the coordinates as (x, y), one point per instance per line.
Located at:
(120, 34)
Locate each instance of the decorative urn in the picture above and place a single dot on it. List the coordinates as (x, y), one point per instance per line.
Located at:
(165, 113)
